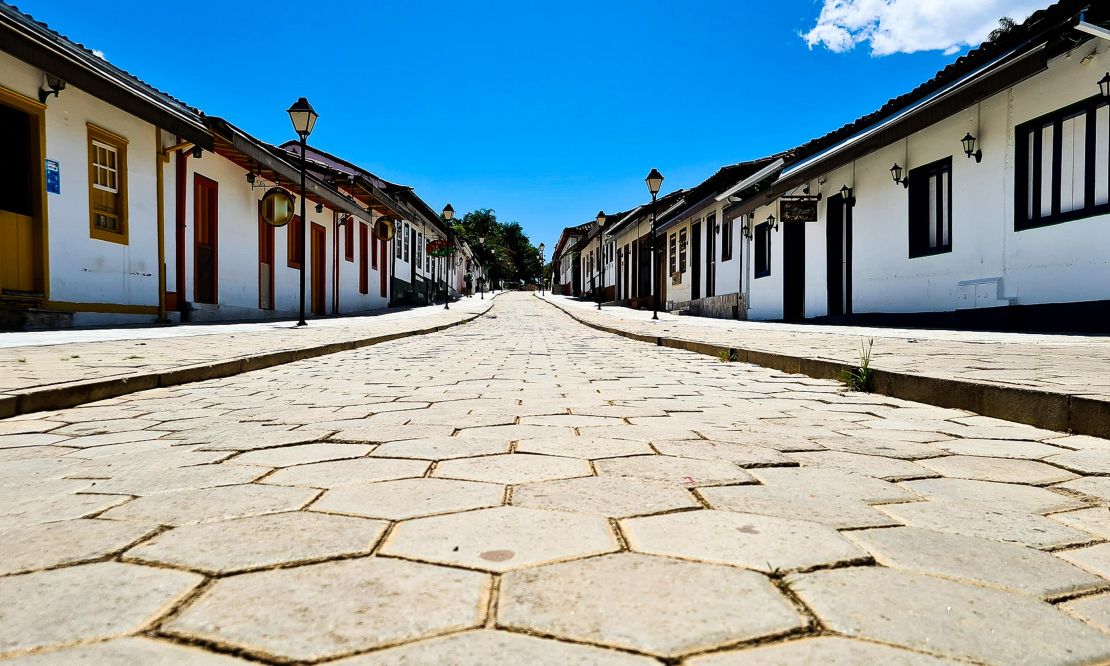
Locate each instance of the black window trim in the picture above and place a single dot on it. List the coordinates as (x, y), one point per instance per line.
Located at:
(917, 176)
(765, 229)
(1022, 148)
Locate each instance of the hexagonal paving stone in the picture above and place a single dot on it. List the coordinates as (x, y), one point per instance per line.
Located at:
(410, 498)
(1092, 558)
(745, 455)
(502, 538)
(975, 560)
(256, 542)
(325, 610)
(340, 472)
(764, 543)
(685, 471)
(1000, 448)
(612, 496)
(823, 650)
(946, 617)
(589, 448)
(512, 468)
(1094, 609)
(440, 448)
(640, 602)
(1095, 520)
(129, 652)
(880, 467)
(1003, 470)
(301, 454)
(159, 479)
(65, 542)
(990, 494)
(835, 483)
(796, 502)
(483, 647)
(37, 510)
(1095, 486)
(86, 602)
(184, 507)
(890, 448)
(979, 519)
(375, 434)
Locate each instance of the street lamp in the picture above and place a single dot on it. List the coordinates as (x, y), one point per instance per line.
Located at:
(448, 214)
(654, 181)
(601, 254)
(304, 118)
(542, 283)
(482, 277)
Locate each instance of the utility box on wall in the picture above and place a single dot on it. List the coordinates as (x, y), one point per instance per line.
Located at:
(981, 293)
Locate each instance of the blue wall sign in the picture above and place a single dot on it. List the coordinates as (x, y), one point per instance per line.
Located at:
(53, 177)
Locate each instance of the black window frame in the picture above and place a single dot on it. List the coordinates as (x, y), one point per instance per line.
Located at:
(672, 245)
(919, 227)
(683, 243)
(761, 250)
(1022, 149)
(727, 236)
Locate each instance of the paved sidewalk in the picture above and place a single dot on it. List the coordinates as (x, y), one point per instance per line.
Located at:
(1060, 366)
(43, 369)
(490, 494)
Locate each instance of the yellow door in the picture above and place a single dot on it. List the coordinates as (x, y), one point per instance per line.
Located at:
(17, 254)
(22, 198)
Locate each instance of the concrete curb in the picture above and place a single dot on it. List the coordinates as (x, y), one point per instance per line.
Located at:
(1044, 409)
(72, 394)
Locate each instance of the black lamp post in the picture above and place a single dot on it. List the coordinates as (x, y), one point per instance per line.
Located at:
(482, 277)
(654, 181)
(448, 214)
(304, 119)
(601, 254)
(542, 282)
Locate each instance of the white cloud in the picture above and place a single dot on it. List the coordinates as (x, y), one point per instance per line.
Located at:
(98, 53)
(906, 26)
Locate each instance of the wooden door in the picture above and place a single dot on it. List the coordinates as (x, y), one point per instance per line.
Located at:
(711, 255)
(21, 202)
(265, 263)
(793, 270)
(318, 263)
(383, 272)
(205, 239)
(695, 261)
(838, 254)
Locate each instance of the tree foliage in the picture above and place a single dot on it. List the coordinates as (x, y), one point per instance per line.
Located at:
(1005, 26)
(506, 251)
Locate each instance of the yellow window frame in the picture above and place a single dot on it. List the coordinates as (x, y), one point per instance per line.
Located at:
(101, 135)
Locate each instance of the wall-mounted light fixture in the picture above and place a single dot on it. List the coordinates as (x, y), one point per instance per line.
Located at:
(198, 152)
(847, 195)
(51, 85)
(896, 173)
(250, 178)
(319, 208)
(969, 148)
(746, 226)
(772, 222)
(1104, 85)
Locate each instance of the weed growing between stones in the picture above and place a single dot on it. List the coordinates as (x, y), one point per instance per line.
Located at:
(859, 379)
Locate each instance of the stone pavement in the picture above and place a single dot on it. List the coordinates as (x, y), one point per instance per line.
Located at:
(45, 369)
(1071, 372)
(524, 489)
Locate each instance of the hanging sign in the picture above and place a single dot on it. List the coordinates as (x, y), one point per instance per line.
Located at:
(798, 210)
(440, 248)
(277, 207)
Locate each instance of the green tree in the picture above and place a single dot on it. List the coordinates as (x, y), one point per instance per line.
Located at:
(506, 252)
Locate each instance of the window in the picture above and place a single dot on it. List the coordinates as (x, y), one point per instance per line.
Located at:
(349, 230)
(726, 240)
(682, 243)
(363, 258)
(673, 253)
(294, 234)
(931, 208)
(107, 186)
(1063, 165)
(761, 248)
(374, 248)
(397, 233)
(406, 235)
(419, 249)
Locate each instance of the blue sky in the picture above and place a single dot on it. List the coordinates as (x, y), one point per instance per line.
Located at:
(545, 112)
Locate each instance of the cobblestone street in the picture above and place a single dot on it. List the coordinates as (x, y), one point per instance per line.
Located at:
(523, 489)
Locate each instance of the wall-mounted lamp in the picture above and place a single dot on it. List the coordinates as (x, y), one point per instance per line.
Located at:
(772, 222)
(847, 195)
(198, 152)
(250, 178)
(319, 208)
(1104, 85)
(896, 174)
(969, 148)
(51, 85)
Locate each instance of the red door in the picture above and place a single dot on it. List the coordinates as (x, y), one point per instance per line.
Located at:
(319, 264)
(205, 239)
(265, 263)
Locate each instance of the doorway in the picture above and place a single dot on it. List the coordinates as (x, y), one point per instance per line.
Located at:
(22, 199)
(205, 239)
(711, 256)
(793, 270)
(265, 263)
(838, 253)
(319, 268)
(695, 261)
